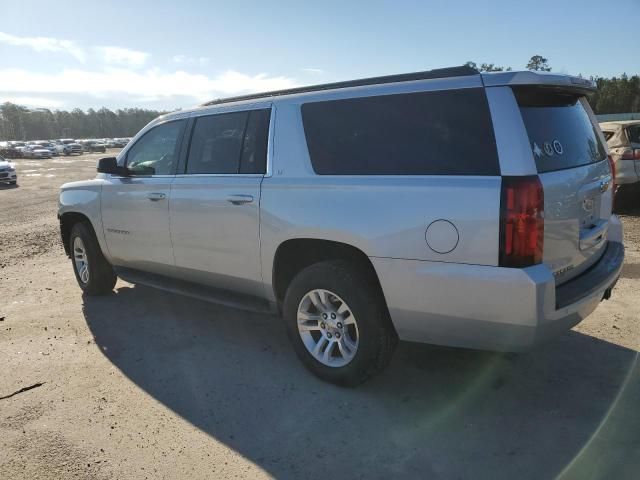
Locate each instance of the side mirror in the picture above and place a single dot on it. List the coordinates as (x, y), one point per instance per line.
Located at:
(110, 165)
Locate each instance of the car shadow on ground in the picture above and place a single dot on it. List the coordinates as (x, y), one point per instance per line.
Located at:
(569, 408)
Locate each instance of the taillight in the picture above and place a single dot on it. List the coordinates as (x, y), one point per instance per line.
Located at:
(521, 222)
(612, 166)
(631, 154)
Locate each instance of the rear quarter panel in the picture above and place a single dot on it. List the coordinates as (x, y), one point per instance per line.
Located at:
(384, 216)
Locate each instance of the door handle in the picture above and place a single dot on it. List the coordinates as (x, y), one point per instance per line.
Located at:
(240, 199)
(155, 196)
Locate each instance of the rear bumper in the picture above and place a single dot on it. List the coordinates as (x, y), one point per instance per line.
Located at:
(487, 307)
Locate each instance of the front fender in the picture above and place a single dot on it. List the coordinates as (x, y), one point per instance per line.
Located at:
(84, 198)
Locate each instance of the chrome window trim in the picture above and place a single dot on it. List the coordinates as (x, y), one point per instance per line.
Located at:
(234, 175)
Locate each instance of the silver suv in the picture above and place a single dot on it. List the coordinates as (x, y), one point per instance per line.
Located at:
(445, 207)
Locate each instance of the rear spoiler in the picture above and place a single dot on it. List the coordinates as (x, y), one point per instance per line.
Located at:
(561, 82)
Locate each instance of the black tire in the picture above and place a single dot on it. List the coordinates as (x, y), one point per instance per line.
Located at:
(377, 338)
(102, 278)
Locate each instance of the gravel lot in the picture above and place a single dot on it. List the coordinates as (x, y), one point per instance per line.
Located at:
(145, 384)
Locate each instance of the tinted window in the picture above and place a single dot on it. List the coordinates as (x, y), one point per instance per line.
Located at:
(216, 143)
(633, 134)
(230, 143)
(254, 148)
(426, 133)
(156, 153)
(560, 131)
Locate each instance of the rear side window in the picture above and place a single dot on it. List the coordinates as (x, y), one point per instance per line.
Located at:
(607, 135)
(633, 134)
(560, 130)
(228, 143)
(426, 133)
(216, 142)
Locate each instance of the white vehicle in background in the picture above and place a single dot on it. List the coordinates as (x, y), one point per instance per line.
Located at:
(36, 151)
(68, 146)
(8, 173)
(49, 146)
(623, 139)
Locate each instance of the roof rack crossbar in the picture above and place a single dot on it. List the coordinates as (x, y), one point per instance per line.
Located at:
(460, 71)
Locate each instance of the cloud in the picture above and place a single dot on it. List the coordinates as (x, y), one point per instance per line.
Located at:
(145, 86)
(186, 60)
(45, 44)
(315, 71)
(122, 56)
(108, 55)
(37, 102)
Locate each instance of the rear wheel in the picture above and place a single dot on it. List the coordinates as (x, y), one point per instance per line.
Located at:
(338, 323)
(93, 272)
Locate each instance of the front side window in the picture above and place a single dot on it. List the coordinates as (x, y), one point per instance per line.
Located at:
(229, 143)
(157, 152)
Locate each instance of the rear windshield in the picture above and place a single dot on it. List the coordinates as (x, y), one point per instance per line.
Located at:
(560, 130)
(426, 133)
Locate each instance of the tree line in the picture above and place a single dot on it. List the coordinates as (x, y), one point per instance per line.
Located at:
(614, 95)
(21, 123)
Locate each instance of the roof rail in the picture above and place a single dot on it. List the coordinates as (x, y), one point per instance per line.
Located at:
(461, 71)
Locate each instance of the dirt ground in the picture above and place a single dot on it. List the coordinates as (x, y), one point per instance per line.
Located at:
(145, 384)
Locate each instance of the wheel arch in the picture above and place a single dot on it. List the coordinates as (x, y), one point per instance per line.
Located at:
(293, 255)
(67, 221)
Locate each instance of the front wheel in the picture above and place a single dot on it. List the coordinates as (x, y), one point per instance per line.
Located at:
(338, 322)
(93, 272)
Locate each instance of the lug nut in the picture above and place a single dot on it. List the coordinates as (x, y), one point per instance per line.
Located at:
(333, 316)
(339, 325)
(328, 334)
(322, 325)
(337, 334)
(324, 315)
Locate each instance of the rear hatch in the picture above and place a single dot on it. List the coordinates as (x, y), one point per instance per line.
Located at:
(572, 164)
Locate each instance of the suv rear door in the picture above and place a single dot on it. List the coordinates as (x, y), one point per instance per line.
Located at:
(215, 200)
(571, 160)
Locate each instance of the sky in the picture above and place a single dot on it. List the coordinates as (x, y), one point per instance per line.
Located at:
(175, 54)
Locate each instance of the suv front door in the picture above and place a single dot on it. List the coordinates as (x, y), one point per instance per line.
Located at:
(215, 202)
(135, 207)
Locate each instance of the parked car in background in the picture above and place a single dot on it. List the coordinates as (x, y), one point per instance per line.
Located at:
(16, 149)
(8, 173)
(93, 146)
(357, 226)
(8, 150)
(623, 139)
(120, 142)
(49, 146)
(36, 151)
(69, 146)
